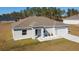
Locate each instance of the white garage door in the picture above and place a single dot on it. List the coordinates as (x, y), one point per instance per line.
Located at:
(62, 31)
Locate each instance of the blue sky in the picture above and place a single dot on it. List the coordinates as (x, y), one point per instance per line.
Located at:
(4, 10)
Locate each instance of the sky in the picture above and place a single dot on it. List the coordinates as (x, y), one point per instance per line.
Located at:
(5, 10)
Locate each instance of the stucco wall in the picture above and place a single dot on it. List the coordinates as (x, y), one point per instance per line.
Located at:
(58, 31)
(18, 34)
(31, 33)
(51, 30)
(71, 21)
(62, 31)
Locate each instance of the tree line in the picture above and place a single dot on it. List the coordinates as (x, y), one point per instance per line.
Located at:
(50, 12)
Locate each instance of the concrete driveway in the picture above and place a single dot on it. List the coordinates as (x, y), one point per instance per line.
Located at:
(71, 37)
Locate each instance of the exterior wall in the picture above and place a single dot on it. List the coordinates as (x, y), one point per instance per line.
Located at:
(51, 31)
(71, 21)
(57, 33)
(31, 33)
(62, 31)
(18, 34)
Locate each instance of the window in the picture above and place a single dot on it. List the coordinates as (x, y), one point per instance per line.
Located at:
(24, 32)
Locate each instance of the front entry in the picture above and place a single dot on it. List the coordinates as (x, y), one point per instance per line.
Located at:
(38, 32)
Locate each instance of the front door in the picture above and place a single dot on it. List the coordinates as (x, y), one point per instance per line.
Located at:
(38, 32)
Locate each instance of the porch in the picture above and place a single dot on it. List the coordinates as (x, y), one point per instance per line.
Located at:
(49, 38)
(42, 34)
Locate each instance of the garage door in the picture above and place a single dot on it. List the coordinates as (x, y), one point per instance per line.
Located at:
(62, 31)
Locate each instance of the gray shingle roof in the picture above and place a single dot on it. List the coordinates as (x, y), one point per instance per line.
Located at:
(75, 17)
(37, 21)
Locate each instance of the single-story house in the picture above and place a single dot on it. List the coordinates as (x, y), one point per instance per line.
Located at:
(72, 20)
(38, 26)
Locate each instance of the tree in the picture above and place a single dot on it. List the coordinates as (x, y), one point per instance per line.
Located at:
(50, 12)
(72, 12)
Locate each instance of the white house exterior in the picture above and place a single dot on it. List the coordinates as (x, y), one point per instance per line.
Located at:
(38, 27)
(72, 20)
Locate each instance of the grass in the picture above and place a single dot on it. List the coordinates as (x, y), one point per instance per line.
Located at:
(74, 29)
(7, 43)
(5, 31)
(6, 40)
(53, 45)
(25, 42)
(5, 35)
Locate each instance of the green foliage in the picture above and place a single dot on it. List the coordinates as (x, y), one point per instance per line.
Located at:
(50, 12)
(72, 12)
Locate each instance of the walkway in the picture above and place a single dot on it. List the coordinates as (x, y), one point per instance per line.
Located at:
(71, 37)
(48, 38)
(67, 36)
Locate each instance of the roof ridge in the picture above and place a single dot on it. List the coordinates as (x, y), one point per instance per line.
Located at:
(37, 21)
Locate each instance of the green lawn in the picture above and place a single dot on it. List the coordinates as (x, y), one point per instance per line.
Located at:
(7, 42)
